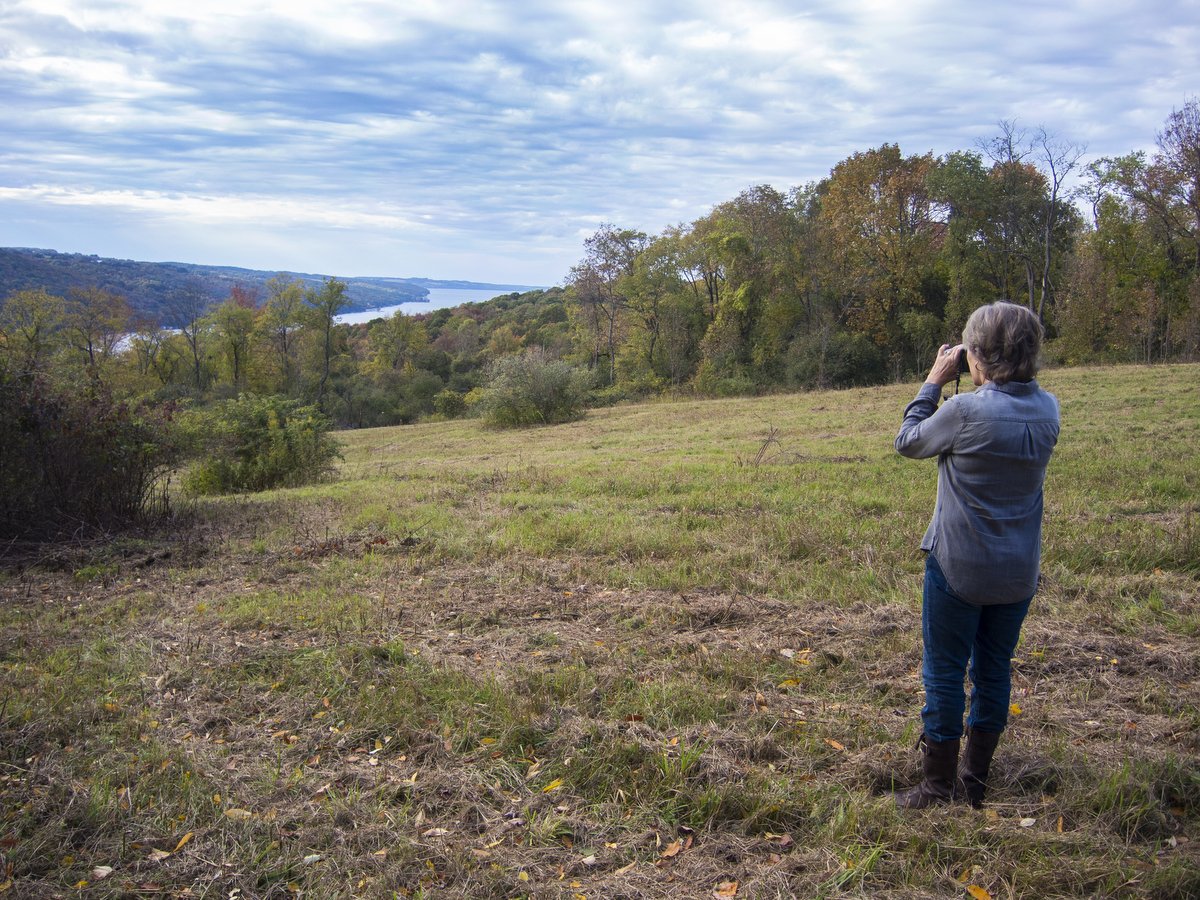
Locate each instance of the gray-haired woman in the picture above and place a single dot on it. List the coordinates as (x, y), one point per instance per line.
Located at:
(984, 541)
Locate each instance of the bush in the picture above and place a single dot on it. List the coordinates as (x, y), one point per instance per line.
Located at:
(530, 389)
(74, 456)
(710, 381)
(835, 359)
(450, 404)
(257, 443)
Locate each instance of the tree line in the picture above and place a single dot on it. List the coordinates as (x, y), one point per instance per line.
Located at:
(855, 279)
(850, 280)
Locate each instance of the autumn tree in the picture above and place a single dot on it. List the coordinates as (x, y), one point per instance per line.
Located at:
(609, 256)
(187, 308)
(154, 353)
(96, 322)
(32, 324)
(1153, 205)
(876, 217)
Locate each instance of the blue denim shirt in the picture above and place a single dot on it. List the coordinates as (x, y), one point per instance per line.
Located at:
(992, 446)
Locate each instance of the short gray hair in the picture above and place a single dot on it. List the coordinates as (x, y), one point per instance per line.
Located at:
(1006, 339)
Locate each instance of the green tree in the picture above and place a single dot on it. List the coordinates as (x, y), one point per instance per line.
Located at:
(279, 324)
(395, 342)
(323, 307)
(233, 325)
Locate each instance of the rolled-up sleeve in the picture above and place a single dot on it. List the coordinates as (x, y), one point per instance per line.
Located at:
(927, 430)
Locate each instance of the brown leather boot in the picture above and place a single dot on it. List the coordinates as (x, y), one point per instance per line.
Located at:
(939, 766)
(977, 761)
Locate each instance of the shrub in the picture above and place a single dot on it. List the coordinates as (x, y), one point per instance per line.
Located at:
(834, 359)
(257, 443)
(530, 389)
(75, 456)
(711, 381)
(450, 404)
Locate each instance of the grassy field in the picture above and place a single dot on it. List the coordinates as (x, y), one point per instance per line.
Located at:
(669, 650)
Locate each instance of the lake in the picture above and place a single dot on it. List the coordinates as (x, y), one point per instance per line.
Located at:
(439, 298)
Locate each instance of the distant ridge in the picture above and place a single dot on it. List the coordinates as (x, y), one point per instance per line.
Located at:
(148, 286)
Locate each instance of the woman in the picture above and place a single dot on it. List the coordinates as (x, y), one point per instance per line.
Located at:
(984, 541)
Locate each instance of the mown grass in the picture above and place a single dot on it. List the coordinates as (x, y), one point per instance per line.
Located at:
(667, 648)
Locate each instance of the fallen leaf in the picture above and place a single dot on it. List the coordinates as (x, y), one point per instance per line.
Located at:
(836, 745)
(435, 832)
(310, 859)
(552, 786)
(1028, 823)
(522, 876)
(101, 872)
(239, 814)
(672, 849)
(978, 893)
(1015, 709)
(589, 860)
(157, 855)
(726, 889)
(183, 841)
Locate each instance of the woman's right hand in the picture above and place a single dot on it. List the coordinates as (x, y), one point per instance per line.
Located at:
(945, 367)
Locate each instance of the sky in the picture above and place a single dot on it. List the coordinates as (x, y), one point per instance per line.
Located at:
(486, 140)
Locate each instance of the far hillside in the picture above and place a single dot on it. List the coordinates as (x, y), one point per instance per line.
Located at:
(150, 286)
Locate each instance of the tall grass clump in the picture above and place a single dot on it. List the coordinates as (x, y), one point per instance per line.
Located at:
(258, 443)
(532, 389)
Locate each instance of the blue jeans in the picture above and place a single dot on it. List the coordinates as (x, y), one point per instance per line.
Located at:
(956, 632)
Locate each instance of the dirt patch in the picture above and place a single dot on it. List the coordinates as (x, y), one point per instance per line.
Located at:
(699, 741)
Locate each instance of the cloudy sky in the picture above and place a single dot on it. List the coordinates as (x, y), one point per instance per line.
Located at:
(486, 140)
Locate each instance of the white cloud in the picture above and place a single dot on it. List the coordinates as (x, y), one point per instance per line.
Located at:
(505, 125)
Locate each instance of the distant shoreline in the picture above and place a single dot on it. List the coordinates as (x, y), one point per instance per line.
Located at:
(437, 298)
